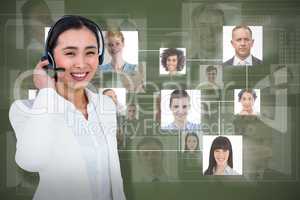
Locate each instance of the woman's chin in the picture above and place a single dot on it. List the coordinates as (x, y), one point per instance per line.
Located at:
(77, 85)
(221, 164)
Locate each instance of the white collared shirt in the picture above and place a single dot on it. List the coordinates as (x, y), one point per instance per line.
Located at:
(188, 126)
(90, 136)
(94, 147)
(76, 158)
(238, 62)
(228, 171)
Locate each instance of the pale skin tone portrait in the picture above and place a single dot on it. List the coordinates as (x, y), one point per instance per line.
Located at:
(180, 108)
(191, 143)
(242, 42)
(49, 130)
(79, 57)
(115, 47)
(247, 102)
(211, 76)
(221, 156)
(131, 112)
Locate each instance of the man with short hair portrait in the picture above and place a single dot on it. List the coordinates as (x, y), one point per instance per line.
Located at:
(242, 42)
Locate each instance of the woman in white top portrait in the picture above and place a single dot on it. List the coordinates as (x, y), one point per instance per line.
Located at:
(68, 133)
(247, 99)
(115, 46)
(220, 158)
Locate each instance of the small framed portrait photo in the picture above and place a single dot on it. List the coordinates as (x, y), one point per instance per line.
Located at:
(172, 61)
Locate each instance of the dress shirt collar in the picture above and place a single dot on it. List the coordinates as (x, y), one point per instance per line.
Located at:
(63, 104)
(238, 61)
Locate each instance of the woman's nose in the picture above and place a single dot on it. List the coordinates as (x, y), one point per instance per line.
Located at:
(80, 61)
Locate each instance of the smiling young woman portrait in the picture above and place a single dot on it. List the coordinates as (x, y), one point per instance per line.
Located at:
(220, 158)
(68, 133)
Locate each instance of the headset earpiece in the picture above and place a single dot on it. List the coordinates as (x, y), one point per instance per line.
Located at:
(51, 61)
(101, 58)
(101, 38)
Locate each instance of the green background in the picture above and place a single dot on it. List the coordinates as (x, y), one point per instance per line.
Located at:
(162, 24)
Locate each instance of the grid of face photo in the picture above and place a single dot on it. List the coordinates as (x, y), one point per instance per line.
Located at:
(204, 102)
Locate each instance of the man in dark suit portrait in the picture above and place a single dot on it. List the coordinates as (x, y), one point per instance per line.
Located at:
(242, 42)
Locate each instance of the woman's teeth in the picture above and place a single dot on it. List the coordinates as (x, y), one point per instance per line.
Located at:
(79, 76)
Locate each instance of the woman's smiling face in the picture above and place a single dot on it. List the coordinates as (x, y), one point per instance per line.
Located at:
(77, 52)
(247, 101)
(115, 45)
(221, 157)
(172, 63)
(192, 143)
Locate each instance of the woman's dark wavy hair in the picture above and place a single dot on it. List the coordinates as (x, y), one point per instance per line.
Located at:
(173, 52)
(192, 134)
(220, 142)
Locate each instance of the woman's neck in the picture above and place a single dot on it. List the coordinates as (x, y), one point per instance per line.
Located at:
(180, 123)
(117, 62)
(219, 170)
(173, 72)
(249, 111)
(77, 97)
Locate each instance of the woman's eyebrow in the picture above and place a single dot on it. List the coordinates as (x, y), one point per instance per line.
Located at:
(75, 48)
(70, 47)
(91, 47)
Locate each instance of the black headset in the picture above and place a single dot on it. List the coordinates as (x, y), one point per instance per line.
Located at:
(48, 55)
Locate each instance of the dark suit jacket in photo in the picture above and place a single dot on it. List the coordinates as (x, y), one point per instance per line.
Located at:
(255, 61)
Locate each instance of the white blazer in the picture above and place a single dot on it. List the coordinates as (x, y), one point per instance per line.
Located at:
(46, 144)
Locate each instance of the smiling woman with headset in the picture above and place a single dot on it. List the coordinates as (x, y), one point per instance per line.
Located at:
(68, 133)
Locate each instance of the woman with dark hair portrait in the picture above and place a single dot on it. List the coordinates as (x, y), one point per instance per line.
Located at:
(191, 142)
(173, 60)
(68, 133)
(220, 158)
(247, 98)
(192, 154)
